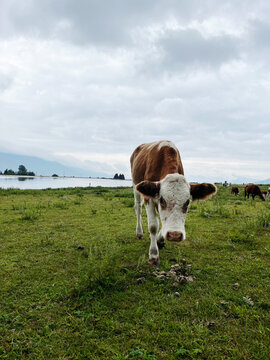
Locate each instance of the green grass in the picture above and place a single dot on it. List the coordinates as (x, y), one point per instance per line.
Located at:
(70, 262)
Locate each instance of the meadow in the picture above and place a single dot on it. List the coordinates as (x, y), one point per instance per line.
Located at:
(75, 283)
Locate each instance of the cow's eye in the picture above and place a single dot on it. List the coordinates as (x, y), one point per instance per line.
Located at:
(185, 206)
(163, 203)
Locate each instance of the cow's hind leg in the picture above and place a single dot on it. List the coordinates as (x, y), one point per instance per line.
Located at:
(138, 211)
(153, 225)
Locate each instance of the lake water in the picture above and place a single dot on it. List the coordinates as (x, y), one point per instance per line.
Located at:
(24, 182)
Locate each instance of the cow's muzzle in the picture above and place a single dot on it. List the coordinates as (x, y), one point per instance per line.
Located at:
(174, 236)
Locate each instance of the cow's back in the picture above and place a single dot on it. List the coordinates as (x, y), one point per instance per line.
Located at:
(153, 161)
(253, 189)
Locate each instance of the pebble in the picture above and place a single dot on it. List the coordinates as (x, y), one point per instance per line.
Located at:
(176, 267)
(182, 279)
(224, 302)
(161, 277)
(141, 280)
(248, 300)
(178, 274)
(211, 325)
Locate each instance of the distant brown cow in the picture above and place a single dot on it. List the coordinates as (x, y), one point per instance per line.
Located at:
(235, 190)
(254, 190)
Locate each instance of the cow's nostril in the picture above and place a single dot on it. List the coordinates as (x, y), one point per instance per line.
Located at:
(174, 236)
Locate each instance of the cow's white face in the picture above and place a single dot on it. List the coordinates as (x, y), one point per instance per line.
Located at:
(173, 201)
(171, 196)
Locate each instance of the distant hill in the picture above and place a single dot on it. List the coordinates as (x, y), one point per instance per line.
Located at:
(242, 180)
(42, 167)
(239, 180)
(266, 181)
(200, 179)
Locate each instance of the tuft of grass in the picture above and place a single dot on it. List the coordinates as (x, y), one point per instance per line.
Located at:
(30, 214)
(127, 202)
(262, 220)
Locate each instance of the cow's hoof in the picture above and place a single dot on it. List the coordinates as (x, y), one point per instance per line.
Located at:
(139, 236)
(155, 262)
(161, 243)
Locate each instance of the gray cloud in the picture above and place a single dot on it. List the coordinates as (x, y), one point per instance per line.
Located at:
(5, 81)
(190, 48)
(85, 82)
(82, 22)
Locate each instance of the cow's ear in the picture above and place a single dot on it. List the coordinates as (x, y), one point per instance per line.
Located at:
(148, 188)
(202, 191)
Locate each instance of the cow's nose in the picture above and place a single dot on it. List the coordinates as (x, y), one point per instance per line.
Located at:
(174, 236)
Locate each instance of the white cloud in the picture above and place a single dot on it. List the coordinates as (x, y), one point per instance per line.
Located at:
(86, 84)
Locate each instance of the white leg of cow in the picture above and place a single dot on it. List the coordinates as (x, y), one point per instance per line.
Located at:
(138, 211)
(153, 225)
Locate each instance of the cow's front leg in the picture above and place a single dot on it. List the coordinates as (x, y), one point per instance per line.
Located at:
(160, 241)
(153, 225)
(138, 211)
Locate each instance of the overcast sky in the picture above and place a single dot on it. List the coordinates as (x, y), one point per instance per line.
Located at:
(83, 82)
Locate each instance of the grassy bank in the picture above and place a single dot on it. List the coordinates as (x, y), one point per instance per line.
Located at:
(69, 270)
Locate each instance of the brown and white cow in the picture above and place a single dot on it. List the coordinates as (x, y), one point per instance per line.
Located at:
(253, 190)
(264, 194)
(158, 179)
(235, 190)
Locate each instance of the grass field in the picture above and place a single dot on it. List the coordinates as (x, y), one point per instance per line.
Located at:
(69, 270)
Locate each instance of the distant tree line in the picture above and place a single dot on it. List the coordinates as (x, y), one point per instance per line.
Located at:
(119, 177)
(21, 171)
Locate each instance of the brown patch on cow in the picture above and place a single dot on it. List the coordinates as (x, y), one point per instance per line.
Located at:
(202, 191)
(163, 203)
(185, 206)
(148, 162)
(148, 188)
(153, 230)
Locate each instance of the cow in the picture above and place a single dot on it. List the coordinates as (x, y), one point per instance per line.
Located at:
(235, 190)
(158, 181)
(254, 190)
(264, 193)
